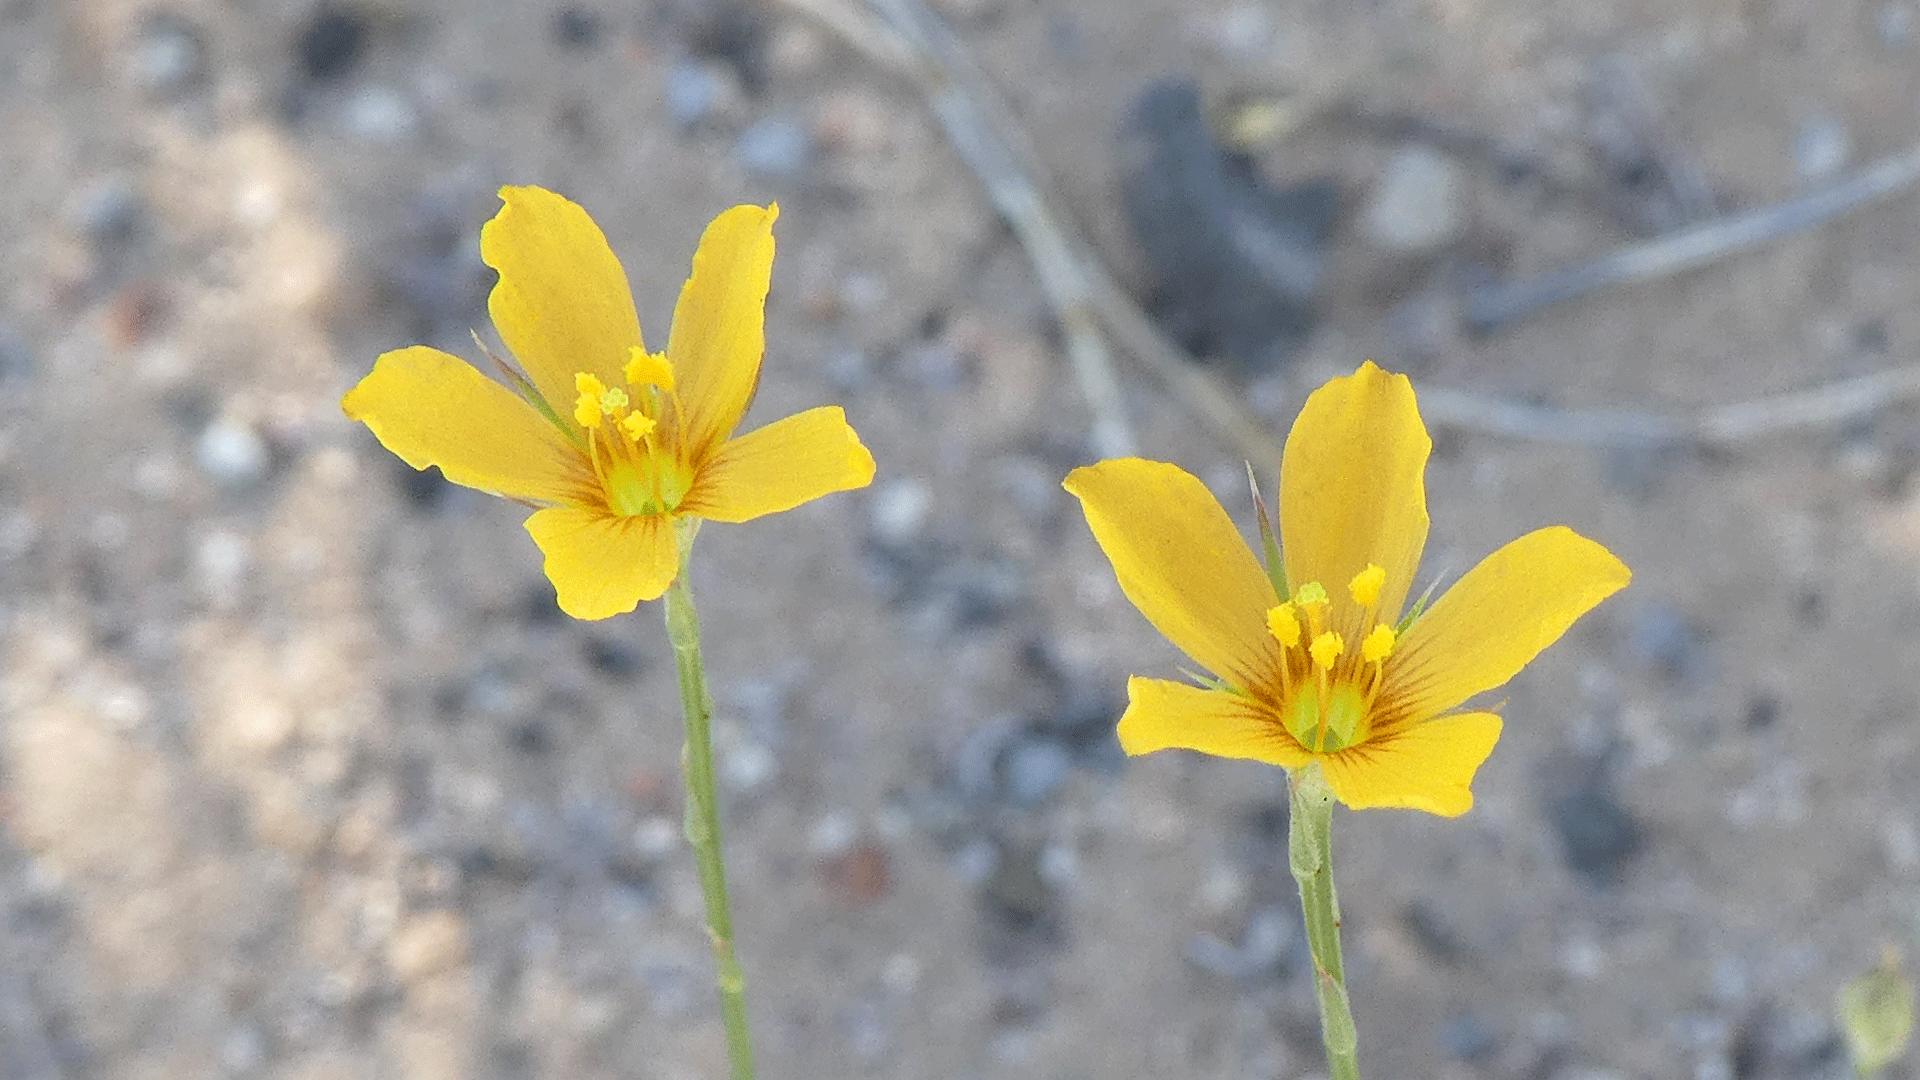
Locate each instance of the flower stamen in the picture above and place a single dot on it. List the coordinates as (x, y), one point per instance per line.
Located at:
(1366, 585)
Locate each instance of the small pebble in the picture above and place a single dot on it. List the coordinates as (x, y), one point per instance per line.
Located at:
(1663, 638)
(860, 875)
(1419, 204)
(776, 147)
(899, 510)
(1895, 23)
(748, 765)
(379, 116)
(701, 92)
(1597, 835)
(832, 833)
(577, 28)
(614, 657)
(1032, 769)
(331, 43)
(19, 531)
(16, 359)
(113, 214)
(1822, 148)
(169, 56)
(231, 453)
(1467, 1038)
(222, 560)
(657, 837)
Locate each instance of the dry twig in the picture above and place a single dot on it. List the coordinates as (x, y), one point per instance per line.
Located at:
(905, 36)
(1493, 306)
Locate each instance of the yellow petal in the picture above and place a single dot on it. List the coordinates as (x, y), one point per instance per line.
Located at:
(602, 565)
(1184, 565)
(432, 408)
(719, 327)
(1518, 601)
(1353, 488)
(780, 466)
(562, 304)
(1165, 715)
(1428, 766)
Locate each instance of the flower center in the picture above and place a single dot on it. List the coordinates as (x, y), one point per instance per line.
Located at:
(1328, 693)
(639, 474)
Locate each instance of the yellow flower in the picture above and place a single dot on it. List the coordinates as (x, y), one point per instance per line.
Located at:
(613, 444)
(1333, 672)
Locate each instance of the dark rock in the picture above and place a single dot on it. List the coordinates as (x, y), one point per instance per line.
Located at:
(114, 217)
(1234, 264)
(576, 28)
(1597, 835)
(331, 44)
(424, 489)
(1272, 939)
(1663, 638)
(1021, 907)
(1763, 710)
(16, 357)
(1468, 1038)
(615, 658)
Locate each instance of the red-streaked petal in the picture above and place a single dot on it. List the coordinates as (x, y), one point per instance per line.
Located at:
(719, 327)
(1428, 766)
(602, 565)
(432, 408)
(1497, 618)
(1165, 715)
(1353, 489)
(780, 466)
(1183, 564)
(562, 305)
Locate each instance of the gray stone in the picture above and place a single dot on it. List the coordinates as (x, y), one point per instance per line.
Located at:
(776, 147)
(169, 56)
(231, 453)
(1032, 769)
(1822, 148)
(700, 92)
(1419, 204)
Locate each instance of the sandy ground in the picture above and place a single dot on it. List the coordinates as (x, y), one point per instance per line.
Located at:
(302, 775)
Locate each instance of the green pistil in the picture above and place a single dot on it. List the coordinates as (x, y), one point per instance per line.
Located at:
(1329, 726)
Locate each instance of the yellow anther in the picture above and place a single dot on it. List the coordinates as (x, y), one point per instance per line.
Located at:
(637, 426)
(1366, 585)
(1284, 625)
(588, 410)
(1326, 649)
(1378, 645)
(648, 369)
(1311, 594)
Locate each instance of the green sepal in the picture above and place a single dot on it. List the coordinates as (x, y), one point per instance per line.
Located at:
(1269, 542)
(530, 394)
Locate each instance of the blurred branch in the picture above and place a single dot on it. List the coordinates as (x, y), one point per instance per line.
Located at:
(1492, 306)
(1723, 425)
(907, 38)
(911, 40)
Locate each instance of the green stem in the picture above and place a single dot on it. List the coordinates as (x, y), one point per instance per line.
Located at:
(703, 803)
(1310, 854)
